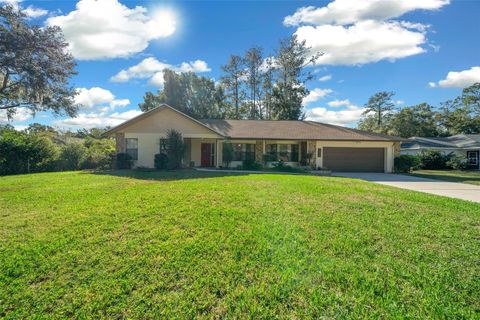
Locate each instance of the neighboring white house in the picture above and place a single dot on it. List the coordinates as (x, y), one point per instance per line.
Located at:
(332, 147)
(467, 145)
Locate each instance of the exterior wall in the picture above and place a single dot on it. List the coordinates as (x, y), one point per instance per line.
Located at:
(389, 150)
(151, 129)
(167, 119)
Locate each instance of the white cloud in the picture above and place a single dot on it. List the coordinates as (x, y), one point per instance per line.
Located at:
(352, 32)
(152, 68)
(30, 11)
(96, 97)
(341, 12)
(325, 78)
(459, 79)
(33, 12)
(340, 103)
(361, 43)
(21, 114)
(315, 95)
(348, 116)
(96, 120)
(108, 29)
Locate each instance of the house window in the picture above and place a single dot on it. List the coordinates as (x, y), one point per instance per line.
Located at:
(284, 152)
(132, 147)
(472, 158)
(243, 151)
(163, 146)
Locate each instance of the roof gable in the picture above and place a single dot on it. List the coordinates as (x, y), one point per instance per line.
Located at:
(162, 119)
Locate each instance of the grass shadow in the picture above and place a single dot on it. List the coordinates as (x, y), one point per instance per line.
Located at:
(167, 175)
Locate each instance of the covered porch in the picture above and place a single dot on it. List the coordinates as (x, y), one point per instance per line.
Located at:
(207, 152)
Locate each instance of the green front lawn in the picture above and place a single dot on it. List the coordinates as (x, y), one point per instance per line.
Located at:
(210, 245)
(472, 177)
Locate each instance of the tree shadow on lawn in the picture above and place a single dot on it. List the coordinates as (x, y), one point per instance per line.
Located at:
(181, 174)
(168, 175)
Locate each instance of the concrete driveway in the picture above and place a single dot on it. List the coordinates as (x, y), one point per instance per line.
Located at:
(442, 188)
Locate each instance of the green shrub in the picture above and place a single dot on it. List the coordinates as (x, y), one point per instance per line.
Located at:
(282, 167)
(406, 163)
(457, 162)
(161, 161)
(306, 159)
(227, 154)
(123, 161)
(175, 149)
(100, 154)
(250, 164)
(433, 160)
(71, 156)
(24, 153)
(268, 157)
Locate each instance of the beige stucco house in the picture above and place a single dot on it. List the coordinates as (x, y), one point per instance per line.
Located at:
(333, 147)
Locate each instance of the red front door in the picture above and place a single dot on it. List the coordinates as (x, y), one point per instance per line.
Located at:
(206, 155)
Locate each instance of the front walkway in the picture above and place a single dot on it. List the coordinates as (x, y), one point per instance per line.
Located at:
(442, 188)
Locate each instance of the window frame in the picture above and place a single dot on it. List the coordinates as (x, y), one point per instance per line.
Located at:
(286, 152)
(246, 152)
(475, 157)
(127, 149)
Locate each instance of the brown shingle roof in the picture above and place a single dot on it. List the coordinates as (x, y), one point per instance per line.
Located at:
(290, 130)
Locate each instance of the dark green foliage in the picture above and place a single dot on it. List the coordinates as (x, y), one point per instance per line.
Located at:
(227, 153)
(72, 155)
(269, 157)
(433, 160)
(415, 121)
(289, 90)
(99, 153)
(123, 161)
(161, 161)
(456, 162)
(280, 166)
(35, 66)
(175, 149)
(24, 153)
(406, 163)
(381, 105)
(306, 158)
(250, 164)
(189, 93)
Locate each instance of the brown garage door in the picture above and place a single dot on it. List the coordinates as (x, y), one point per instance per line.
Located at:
(354, 159)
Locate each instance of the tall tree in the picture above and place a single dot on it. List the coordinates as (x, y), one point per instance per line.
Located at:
(232, 79)
(291, 59)
(189, 93)
(456, 118)
(268, 82)
(381, 104)
(418, 121)
(471, 97)
(34, 66)
(253, 64)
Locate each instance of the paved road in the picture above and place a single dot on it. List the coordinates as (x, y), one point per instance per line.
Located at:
(442, 188)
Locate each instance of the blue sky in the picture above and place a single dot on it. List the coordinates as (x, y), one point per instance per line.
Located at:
(425, 51)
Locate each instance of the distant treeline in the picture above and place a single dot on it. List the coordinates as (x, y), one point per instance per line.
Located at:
(41, 148)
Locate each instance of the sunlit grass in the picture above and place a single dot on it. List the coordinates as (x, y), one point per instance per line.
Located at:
(204, 245)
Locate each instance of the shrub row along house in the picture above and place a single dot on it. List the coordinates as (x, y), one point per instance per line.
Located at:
(465, 145)
(321, 145)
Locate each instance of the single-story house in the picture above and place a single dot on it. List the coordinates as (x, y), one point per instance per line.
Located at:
(467, 145)
(332, 147)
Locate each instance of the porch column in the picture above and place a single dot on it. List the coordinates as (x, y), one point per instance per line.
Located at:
(219, 157)
(258, 151)
(120, 142)
(312, 147)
